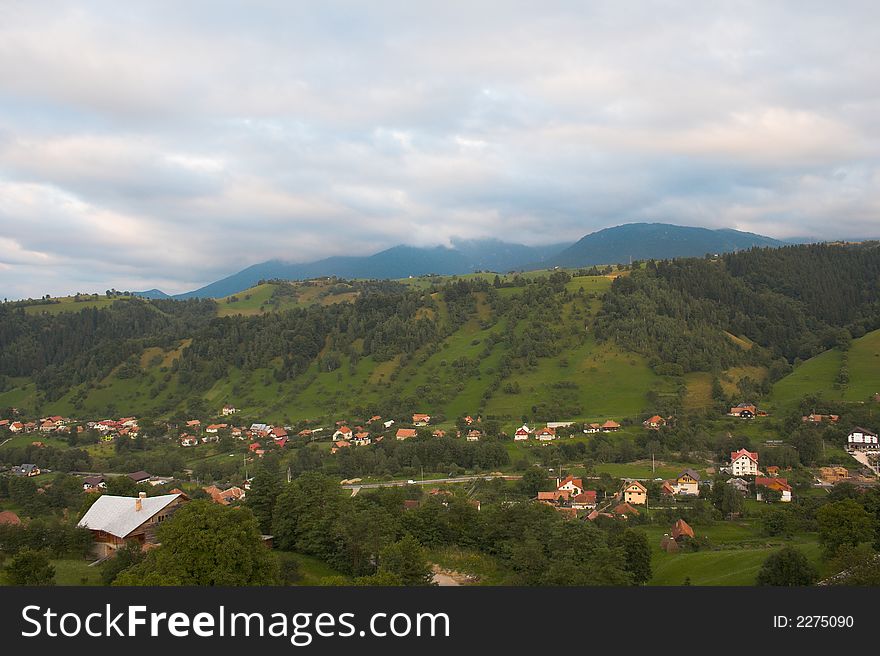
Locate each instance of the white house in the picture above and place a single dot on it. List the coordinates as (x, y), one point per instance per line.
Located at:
(572, 484)
(861, 439)
(546, 434)
(342, 433)
(228, 410)
(743, 463)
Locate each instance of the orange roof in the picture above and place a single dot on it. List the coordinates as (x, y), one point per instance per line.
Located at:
(680, 528)
(571, 479)
(9, 517)
(404, 433)
(610, 424)
(624, 509)
(637, 484)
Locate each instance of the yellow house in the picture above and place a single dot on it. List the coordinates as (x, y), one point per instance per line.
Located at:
(635, 493)
(688, 482)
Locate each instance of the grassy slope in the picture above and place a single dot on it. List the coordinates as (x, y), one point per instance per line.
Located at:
(610, 382)
(818, 374)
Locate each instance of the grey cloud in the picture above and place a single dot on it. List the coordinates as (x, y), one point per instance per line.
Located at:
(167, 144)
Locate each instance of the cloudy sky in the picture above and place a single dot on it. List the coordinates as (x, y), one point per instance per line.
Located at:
(167, 144)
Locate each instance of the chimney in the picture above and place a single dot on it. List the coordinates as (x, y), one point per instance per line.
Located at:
(139, 503)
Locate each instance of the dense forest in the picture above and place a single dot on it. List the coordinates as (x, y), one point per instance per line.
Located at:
(792, 303)
(767, 307)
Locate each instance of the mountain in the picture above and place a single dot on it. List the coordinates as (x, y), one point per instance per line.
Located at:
(465, 256)
(635, 240)
(640, 241)
(152, 294)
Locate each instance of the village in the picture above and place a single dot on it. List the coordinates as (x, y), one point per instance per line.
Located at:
(587, 495)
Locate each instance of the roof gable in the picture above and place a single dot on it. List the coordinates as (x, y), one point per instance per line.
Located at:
(118, 515)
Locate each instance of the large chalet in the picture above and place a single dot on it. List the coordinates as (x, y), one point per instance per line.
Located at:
(114, 520)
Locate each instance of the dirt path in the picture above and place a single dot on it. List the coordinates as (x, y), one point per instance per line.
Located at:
(442, 578)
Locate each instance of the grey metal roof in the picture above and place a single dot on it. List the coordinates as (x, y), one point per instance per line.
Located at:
(118, 515)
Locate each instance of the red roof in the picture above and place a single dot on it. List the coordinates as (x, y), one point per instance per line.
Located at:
(774, 483)
(736, 455)
(680, 528)
(587, 496)
(9, 517)
(571, 479)
(610, 424)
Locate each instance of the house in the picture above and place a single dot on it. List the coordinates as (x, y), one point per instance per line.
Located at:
(772, 470)
(9, 518)
(833, 474)
(439, 433)
(16, 427)
(688, 482)
(341, 444)
(625, 510)
(361, 439)
(262, 429)
(779, 484)
(278, 433)
(555, 497)
(818, 419)
(194, 424)
(572, 484)
(419, 419)
(237, 433)
(388, 424)
(744, 411)
(546, 434)
(584, 500)
(114, 520)
(406, 433)
(741, 485)
(609, 426)
(589, 429)
(343, 433)
(228, 410)
(374, 418)
(474, 435)
(654, 423)
(188, 440)
(27, 469)
(861, 439)
(681, 529)
(140, 477)
(213, 429)
(522, 433)
(666, 489)
(635, 493)
(744, 463)
(224, 497)
(94, 484)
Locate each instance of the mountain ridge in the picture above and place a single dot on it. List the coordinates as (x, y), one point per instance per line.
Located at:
(617, 244)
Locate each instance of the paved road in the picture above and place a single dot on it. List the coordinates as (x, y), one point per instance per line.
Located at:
(431, 481)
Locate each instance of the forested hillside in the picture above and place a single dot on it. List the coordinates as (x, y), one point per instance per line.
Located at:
(789, 303)
(580, 344)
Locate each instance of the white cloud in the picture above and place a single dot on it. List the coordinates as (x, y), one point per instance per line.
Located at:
(159, 144)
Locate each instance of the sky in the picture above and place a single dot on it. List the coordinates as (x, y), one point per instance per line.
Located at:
(169, 144)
